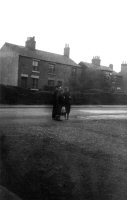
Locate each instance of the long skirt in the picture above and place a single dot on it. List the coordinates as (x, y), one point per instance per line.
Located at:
(54, 111)
(68, 107)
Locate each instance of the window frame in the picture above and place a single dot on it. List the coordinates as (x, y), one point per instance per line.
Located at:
(35, 65)
(34, 83)
(51, 68)
(74, 71)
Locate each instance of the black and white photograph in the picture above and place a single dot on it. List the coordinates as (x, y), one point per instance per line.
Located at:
(63, 100)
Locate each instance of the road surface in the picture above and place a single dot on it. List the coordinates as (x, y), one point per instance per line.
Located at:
(90, 147)
(81, 112)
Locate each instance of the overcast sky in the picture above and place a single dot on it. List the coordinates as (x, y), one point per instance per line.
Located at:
(90, 27)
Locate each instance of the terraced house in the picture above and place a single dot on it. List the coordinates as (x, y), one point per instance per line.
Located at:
(27, 67)
(101, 77)
(123, 73)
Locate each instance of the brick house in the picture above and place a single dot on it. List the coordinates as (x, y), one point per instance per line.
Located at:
(124, 75)
(110, 78)
(27, 67)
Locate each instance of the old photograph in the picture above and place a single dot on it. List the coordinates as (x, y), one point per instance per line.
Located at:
(63, 100)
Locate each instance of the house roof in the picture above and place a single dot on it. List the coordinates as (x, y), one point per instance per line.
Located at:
(91, 65)
(41, 55)
(117, 74)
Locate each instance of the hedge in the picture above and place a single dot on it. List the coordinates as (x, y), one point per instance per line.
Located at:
(16, 95)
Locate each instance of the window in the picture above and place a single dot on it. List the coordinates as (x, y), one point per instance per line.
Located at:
(59, 83)
(34, 83)
(24, 82)
(51, 82)
(35, 64)
(51, 69)
(107, 76)
(73, 71)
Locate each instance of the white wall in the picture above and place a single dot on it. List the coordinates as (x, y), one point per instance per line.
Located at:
(8, 67)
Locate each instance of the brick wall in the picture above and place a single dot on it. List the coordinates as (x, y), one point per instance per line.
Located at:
(124, 74)
(61, 73)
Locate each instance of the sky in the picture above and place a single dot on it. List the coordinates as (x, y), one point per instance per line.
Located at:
(90, 27)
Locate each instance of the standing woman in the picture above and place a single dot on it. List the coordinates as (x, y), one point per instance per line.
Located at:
(67, 100)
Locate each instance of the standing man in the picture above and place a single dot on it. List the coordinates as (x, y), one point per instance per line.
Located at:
(60, 103)
(55, 104)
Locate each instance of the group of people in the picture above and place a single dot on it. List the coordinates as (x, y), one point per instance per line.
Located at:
(61, 103)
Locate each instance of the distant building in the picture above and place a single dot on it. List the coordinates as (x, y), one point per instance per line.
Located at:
(112, 79)
(124, 75)
(27, 67)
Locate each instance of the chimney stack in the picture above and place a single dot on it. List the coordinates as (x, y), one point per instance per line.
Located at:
(111, 66)
(30, 43)
(124, 67)
(67, 50)
(96, 61)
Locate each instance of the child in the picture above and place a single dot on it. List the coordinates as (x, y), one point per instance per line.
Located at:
(67, 102)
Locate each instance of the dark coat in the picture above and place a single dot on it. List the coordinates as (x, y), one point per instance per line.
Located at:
(67, 101)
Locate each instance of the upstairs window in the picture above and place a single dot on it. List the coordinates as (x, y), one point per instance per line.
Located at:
(35, 65)
(51, 69)
(107, 76)
(73, 71)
